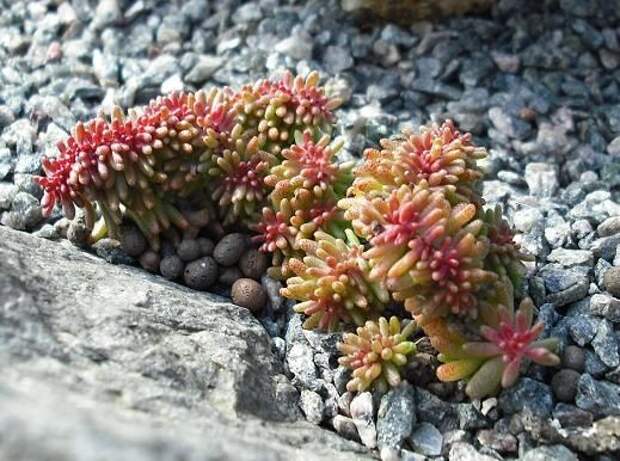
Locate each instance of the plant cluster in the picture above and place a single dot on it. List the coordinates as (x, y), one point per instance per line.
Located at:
(408, 224)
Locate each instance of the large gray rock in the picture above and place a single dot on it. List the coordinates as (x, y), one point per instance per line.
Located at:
(109, 362)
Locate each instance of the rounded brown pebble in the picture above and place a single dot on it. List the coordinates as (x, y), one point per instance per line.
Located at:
(612, 280)
(201, 274)
(254, 263)
(564, 384)
(132, 241)
(228, 250)
(171, 267)
(189, 250)
(229, 275)
(206, 246)
(150, 261)
(248, 293)
(574, 358)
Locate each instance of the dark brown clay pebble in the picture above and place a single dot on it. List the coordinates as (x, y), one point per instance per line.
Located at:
(206, 246)
(574, 358)
(201, 274)
(132, 241)
(564, 384)
(229, 275)
(228, 250)
(248, 293)
(189, 250)
(171, 267)
(150, 261)
(254, 263)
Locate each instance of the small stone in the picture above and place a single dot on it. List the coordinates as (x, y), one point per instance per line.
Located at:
(527, 393)
(254, 263)
(312, 405)
(362, 415)
(337, 59)
(502, 442)
(525, 219)
(509, 125)
(297, 46)
(111, 251)
(426, 439)
(171, 267)
(396, 416)
(149, 260)
(605, 247)
(204, 68)
(230, 248)
(462, 451)
(542, 179)
(573, 358)
(605, 344)
(571, 416)
(300, 362)
(25, 212)
(604, 305)
(506, 62)
(582, 328)
(568, 258)
(612, 280)
(599, 397)
(189, 250)
(107, 13)
(48, 231)
(549, 452)
(132, 241)
(389, 454)
(611, 226)
(248, 293)
(229, 275)
(564, 384)
(345, 427)
(201, 274)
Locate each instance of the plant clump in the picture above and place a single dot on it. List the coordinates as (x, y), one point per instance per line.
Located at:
(182, 181)
(376, 353)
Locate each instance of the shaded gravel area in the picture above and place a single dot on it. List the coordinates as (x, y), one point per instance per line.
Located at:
(536, 82)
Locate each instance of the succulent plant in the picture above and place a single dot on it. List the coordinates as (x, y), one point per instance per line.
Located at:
(376, 353)
(430, 253)
(310, 166)
(332, 284)
(495, 361)
(273, 111)
(439, 155)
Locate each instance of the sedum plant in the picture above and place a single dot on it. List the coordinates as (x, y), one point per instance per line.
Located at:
(332, 284)
(407, 224)
(376, 353)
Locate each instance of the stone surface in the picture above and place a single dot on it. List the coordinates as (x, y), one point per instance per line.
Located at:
(396, 416)
(136, 365)
(362, 415)
(426, 439)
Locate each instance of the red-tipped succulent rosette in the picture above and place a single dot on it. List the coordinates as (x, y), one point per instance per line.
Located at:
(274, 110)
(438, 154)
(331, 282)
(496, 360)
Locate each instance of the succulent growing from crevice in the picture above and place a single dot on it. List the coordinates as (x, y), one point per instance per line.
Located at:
(376, 353)
(495, 361)
(332, 284)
